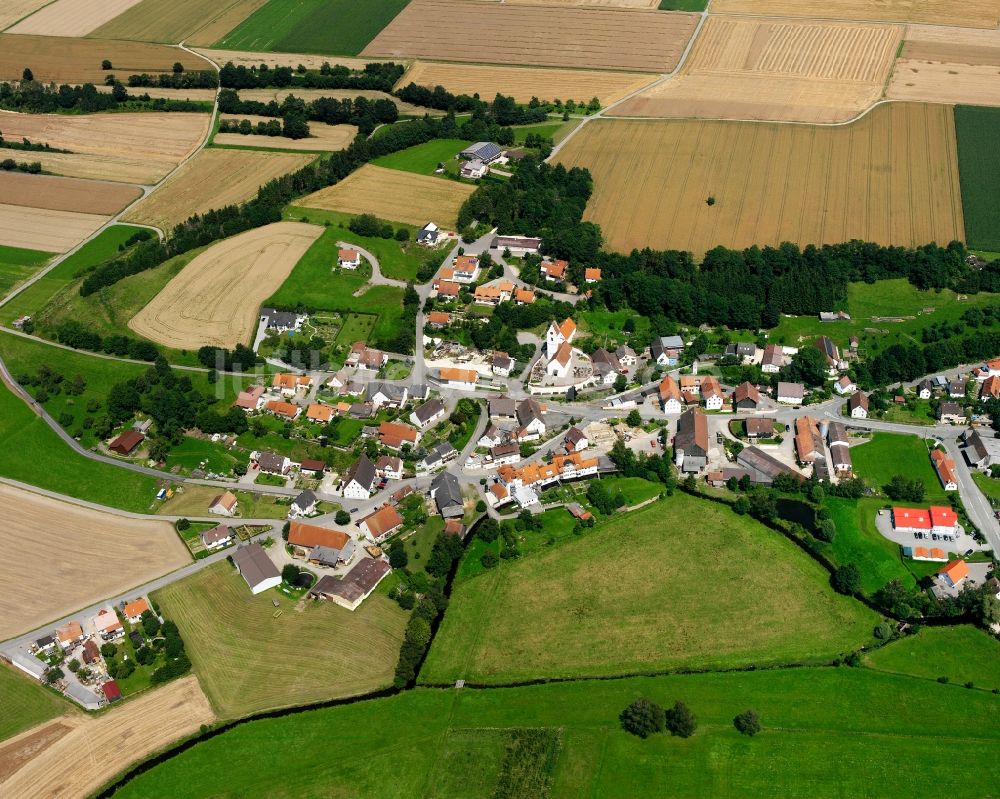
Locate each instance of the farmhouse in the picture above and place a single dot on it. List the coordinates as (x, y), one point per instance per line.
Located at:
(250, 400)
(830, 352)
(253, 564)
(283, 410)
(126, 443)
(447, 495)
(575, 440)
(759, 428)
(845, 386)
(808, 440)
(790, 393)
(224, 504)
(389, 467)
(107, 625)
(746, 397)
(529, 416)
(503, 364)
(462, 379)
(485, 151)
(773, 359)
(428, 413)
(271, 462)
(711, 393)
(303, 505)
(691, 441)
(501, 407)
(742, 351)
(950, 413)
(925, 389)
(394, 435)
(945, 468)
(517, 246)
(666, 350)
(354, 587)
(381, 524)
(505, 453)
(349, 259)
(217, 538)
(365, 357)
(979, 451)
(320, 544)
(473, 170)
(761, 467)
(840, 454)
(360, 479)
(857, 405)
(670, 395)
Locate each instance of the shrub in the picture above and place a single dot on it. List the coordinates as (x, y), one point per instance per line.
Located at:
(883, 631)
(74, 665)
(290, 573)
(747, 722)
(943, 680)
(680, 720)
(109, 650)
(489, 559)
(643, 718)
(846, 579)
(183, 524)
(342, 517)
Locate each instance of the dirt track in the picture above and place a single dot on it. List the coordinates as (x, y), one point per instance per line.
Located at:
(215, 299)
(110, 554)
(65, 194)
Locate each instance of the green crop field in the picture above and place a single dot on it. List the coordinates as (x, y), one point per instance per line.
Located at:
(979, 174)
(858, 542)
(644, 592)
(826, 732)
(248, 660)
(18, 264)
(37, 296)
(682, 5)
(313, 26)
(889, 454)
(962, 654)
(26, 703)
(424, 158)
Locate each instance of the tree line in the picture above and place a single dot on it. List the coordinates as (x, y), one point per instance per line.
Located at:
(364, 113)
(32, 97)
(199, 79)
(380, 77)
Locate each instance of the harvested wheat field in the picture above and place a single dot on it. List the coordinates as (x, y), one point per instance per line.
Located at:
(66, 194)
(100, 167)
(948, 65)
(160, 140)
(212, 179)
(13, 10)
(394, 195)
(507, 34)
(54, 58)
(223, 23)
(974, 14)
(891, 178)
(96, 748)
(626, 4)
(48, 231)
(173, 21)
(21, 749)
(253, 58)
(72, 17)
(775, 70)
(119, 554)
(322, 138)
(215, 299)
(523, 83)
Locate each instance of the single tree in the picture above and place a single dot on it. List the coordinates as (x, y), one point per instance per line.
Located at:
(643, 718)
(747, 722)
(178, 67)
(846, 579)
(106, 64)
(27, 74)
(342, 517)
(290, 573)
(634, 418)
(680, 720)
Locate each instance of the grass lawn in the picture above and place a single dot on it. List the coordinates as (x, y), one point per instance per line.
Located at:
(423, 158)
(356, 327)
(18, 264)
(33, 299)
(979, 174)
(25, 702)
(201, 453)
(624, 598)
(962, 654)
(420, 541)
(889, 454)
(827, 732)
(920, 414)
(607, 326)
(312, 26)
(248, 659)
(194, 500)
(988, 486)
(634, 489)
(33, 453)
(857, 541)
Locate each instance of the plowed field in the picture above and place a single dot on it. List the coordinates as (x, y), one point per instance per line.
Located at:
(891, 177)
(523, 83)
(216, 298)
(775, 70)
(65, 194)
(13, 10)
(523, 34)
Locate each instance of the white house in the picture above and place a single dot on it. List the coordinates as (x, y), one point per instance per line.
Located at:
(711, 394)
(224, 504)
(390, 467)
(360, 479)
(845, 386)
(473, 170)
(503, 364)
(252, 562)
(427, 414)
(466, 269)
(790, 393)
(303, 505)
(560, 363)
(349, 259)
(857, 405)
(463, 379)
(529, 417)
(670, 395)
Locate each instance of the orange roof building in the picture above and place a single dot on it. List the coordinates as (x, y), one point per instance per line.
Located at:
(555, 269)
(954, 573)
(382, 522)
(308, 536)
(448, 288)
(945, 468)
(487, 294)
(990, 387)
(319, 413)
(394, 435)
(567, 329)
(942, 518)
(438, 318)
(591, 274)
(135, 608)
(524, 296)
(285, 410)
(451, 375)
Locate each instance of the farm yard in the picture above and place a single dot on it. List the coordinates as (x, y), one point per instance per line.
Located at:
(119, 553)
(216, 298)
(172, 21)
(71, 17)
(976, 129)
(64, 60)
(891, 177)
(65, 194)
(975, 14)
(775, 70)
(144, 146)
(77, 763)
(393, 195)
(49, 231)
(251, 658)
(523, 83)
(426, 29)
(322, 138)
(601, 620)
(947, 65)
(214, 178)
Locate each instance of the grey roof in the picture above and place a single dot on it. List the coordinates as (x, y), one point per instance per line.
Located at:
(428, 409)
(428, 232)
(672, 342)
(528, 410)
(45, 640)
(360, 580)
(741, 349)
(837, 433)
(790, 390)
(841, 456)
(271, 462)
(602, 356)
(926, 384)
(305, 499)
(446, 492)
(759, 461)
(420, 391)
(329, 556)
(503, 407)
(828, 348)
(29, 663)
(501, 450)
(254, 564)
(949, 408)
(218, 533)
(858, 400)
(279, 319)
(82, 694)
(362, 410)
(363, 471)
(821, 470)
(692, 433)
(393, 392)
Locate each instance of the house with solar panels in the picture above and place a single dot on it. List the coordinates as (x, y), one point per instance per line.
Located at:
(485, 151)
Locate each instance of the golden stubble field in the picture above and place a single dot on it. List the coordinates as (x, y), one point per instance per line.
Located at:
(135, 148)
(322, 137)
(891, 177)
(214, 178)
(173, 21)
(13, 10)
(215, 299)
(947, 65)
(775, 70)
(523, 83)
(41, 229)
(393, 194)
(73, 756)
(65, 194)
(254, 58)
(596, 38)
(973, 14)
(102, 554)
(72, 17)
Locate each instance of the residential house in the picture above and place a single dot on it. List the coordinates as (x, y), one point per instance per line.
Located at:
(359, 482)
(666, 350)
(394, 435)
(773, 359)
(428, 235)
(126, 443)
(454, 527)
(495, 435)
(133, 610)
(524, 296)
(517, 246)
(670, 395)
(448, 289)
(387, 394)
(529, 416)
(925, 389)
(250, 400)
(218, 537)
(289, 384)
(473, 170)
(857, 405)
(381, 524)
(627, 357)
(70, 635)
(354, 587)
(790, 393)
(485, 151)
(349, 259)
(438, 456)
(365, 357)
(691, 441)
(271, 462)
(462, 379)
(591, 274)
(319, 413)
(830, 352)
(990, 388)
(950, 413)
(420, 392)
(502, 407)
(945, 468)
(554, 271)
(981, 452)
(606, 365)
(505, 453)
(761, 467)
(845, 386)
(303, 505)
(759, 427)
(497, 494)
(281, 321)
(389, 467)
(107, 625)
(447, 495)
(808, 440)
(575, 440)
(743, 351)
(45, 643)
(283, 410)
(746, 397)
(224, 504)
(711, 394)
(320, 544)
(503, 364)
(438, 319)
(312, 465)
(361, 410)
(427, 414)
(956, 388)
(954, 573)
(253, 564)
(486, 295)
(465, 269)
